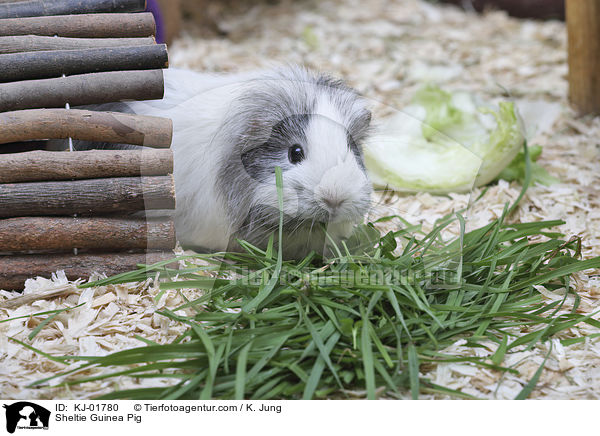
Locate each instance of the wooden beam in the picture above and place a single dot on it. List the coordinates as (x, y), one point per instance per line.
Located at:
(113, 127)
(87, 197)
(25, 43)
(48, 64)
(82, 89)
(37, 166)
(583, 25)
(14, 270)
(36, 8)
(98, 233)
(82, 26)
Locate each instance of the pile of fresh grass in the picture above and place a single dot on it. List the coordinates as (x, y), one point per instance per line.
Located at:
(363, 320)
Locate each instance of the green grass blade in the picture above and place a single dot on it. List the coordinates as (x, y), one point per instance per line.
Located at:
(530, 386)
(413, 371)
(367, 357)
(240, 373)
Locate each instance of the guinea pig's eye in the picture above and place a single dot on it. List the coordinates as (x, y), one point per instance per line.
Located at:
(295, 153)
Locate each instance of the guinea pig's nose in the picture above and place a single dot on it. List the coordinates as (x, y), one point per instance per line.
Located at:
(332, 203)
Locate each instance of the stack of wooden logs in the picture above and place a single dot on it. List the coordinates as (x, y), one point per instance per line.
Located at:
(78, 211)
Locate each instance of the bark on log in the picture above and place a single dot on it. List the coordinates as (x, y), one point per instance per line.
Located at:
(113, 127)
(25, 43)
(82, 26)
(36, 166)
(87, 197)
(48, 64)
(36, 8)
(66, 233)
(583, 25)
(82, 89)
(14, 270)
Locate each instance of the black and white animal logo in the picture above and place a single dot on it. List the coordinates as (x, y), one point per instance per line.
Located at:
(26, 415)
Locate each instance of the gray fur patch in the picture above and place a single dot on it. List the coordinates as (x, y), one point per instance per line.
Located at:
(260, 162)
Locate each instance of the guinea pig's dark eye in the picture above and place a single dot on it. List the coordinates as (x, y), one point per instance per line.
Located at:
(295, 153)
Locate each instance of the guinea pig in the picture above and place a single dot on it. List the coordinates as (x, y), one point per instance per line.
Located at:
(232, 131)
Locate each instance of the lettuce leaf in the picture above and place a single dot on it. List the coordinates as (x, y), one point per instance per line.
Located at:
(443, 143)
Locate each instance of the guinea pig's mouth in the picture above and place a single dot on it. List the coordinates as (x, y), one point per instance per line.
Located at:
(261, 221)
(301, 234)
(298, 224)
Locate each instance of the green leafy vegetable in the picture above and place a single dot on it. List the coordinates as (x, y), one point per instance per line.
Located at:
(444, 143)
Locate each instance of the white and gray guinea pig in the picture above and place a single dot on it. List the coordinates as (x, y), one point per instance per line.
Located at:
(232, 131)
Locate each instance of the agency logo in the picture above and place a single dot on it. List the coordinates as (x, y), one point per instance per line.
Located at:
(26, 415)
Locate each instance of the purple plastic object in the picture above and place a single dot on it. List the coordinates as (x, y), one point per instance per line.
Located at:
(152, 6)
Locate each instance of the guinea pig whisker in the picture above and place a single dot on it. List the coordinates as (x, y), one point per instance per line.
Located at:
(312, 224)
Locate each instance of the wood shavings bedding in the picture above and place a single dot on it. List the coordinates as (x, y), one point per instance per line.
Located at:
(386, 49)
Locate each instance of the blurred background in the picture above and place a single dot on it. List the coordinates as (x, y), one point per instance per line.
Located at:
(176, 14)
(383, 48)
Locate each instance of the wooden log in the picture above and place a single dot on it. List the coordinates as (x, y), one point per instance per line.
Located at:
(24, 43)
(14, 270)
(113, 127)
(87, 197)
(82, 26)
(36, 166)
(98, 233)
(583, 25)
(36, 8)
(82, 89)
(48, 64)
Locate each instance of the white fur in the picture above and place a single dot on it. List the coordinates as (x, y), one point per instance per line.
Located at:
(197, 104)
(331, 167)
